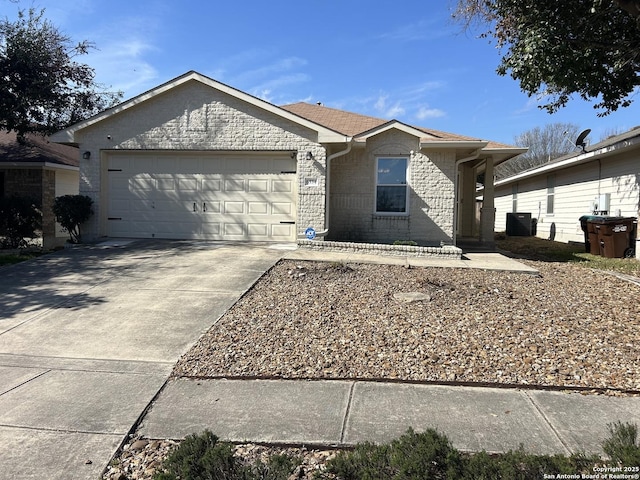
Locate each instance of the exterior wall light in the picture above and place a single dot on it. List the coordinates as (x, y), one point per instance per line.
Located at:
(309, 156)
(86, 155)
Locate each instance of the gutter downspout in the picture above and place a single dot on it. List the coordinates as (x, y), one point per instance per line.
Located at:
(474, 156)
(327, 182)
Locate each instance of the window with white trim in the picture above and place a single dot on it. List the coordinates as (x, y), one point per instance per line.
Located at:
(514, 198)
(551, 193)
(392, 190)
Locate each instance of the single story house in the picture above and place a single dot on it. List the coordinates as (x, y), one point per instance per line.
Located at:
(42, 170)
(197, 159)
(604, 178)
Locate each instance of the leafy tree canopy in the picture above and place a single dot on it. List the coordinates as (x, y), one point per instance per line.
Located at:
(559, 48)
(42, 87)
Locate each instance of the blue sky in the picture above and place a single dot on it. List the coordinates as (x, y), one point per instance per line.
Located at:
(402, 59)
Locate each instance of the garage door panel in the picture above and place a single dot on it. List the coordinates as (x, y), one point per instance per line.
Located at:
(211, 184)
(142, 183)
(258, 230)
(236, 197)
(281, 208)
(188, 184)
(258, 208)
(234, 207)
(258, 186)
(211, 207)
(282, 186)
(212, 228)
(234, 230)
(282, 231)
(234, 185)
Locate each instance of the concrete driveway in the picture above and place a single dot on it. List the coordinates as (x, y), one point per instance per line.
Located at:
(89, 335)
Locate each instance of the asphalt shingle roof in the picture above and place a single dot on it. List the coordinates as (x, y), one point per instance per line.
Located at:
(352, 124)
(36, 149)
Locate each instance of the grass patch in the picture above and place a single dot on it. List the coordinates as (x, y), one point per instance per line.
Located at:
(534, 248)
(12, 258)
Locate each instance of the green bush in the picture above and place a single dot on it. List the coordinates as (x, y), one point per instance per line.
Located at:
(430, 455)
(71, 211)
(413, 456)
(203, 457)
(622, 444)
(20, 218)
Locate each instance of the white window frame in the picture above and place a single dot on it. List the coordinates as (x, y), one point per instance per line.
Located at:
(551, 194)
(405, 184)
(514, 198)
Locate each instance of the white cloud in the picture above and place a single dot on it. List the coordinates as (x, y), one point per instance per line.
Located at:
(388, 111)
(121, 65)
(417, 31)
(425, 113)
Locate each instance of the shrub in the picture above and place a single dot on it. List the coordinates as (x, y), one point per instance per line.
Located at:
(622, 446)
(71, 211)
(413, 455)
(431, 455)
(204, 457)
(20, 218)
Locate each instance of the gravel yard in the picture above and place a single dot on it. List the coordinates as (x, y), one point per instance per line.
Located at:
(570, 326)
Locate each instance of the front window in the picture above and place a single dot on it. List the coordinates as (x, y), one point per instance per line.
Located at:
(391, 185)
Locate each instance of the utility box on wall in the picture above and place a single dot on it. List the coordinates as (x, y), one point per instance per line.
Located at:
(518, 224)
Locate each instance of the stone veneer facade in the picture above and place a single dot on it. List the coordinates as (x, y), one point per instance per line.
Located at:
(431, 194)
(195, 117)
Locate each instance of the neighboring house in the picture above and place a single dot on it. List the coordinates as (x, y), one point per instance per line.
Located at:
(41, 170)
(604, 179)
(197, 159)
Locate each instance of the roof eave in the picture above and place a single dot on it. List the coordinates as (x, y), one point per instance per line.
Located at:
(46, 165)
(457, 144)
(574, 160)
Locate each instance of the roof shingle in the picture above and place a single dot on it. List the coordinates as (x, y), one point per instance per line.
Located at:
(36, 149)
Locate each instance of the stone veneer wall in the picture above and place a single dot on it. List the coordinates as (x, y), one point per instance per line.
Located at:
(431, 198)
(445, 252)
(195, 117)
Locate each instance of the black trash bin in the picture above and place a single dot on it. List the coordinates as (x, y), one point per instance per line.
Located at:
(584, 221)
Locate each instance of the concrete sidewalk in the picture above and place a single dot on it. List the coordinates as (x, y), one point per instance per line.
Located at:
(477, 260)
(343, 413)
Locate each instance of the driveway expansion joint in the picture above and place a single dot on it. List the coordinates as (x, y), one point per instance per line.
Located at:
(346, 413)
(546, 421)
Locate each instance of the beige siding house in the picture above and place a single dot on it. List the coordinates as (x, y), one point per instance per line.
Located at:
(197, 159)
(603, 179)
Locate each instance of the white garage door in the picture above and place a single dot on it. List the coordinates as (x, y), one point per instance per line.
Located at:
(210, 197)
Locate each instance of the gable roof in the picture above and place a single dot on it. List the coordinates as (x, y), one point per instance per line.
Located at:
(37, 150)
(362, 126)
(605, 148)
(332, 125)
(325, 134)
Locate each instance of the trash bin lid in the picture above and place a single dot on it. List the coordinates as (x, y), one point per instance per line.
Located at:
(587, 218)
(606, 220)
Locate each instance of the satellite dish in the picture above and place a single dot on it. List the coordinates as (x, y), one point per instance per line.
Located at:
(580, 141)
